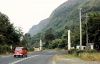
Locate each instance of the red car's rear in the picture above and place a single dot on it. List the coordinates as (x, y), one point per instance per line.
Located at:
(20, 52)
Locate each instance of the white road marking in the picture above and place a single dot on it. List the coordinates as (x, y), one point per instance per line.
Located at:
(67, 59)
(53, 62)
(23, 59)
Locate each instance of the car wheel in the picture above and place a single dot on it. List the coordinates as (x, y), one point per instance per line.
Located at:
(25, 55)
(14, 56)
(21, 56)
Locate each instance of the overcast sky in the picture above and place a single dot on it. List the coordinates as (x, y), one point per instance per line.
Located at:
(26, 13)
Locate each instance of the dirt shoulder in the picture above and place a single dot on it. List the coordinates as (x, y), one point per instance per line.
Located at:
(62, 59)
(6, 55)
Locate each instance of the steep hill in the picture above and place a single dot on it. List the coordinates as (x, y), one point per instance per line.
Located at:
(37, 28)
(66, 14)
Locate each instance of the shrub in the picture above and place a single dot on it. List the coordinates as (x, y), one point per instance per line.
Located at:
(5, 49)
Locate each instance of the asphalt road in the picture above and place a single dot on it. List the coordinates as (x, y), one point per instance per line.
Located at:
(44, 57)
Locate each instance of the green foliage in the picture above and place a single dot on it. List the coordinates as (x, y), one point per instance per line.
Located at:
(48, 37)
(9, 35)
(5, 49)
(94, 29)
(26, 41)
(35, 40)
(66, 17)
(57, 43)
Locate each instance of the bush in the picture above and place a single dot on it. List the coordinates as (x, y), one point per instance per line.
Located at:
(90, 51)
(78, 52)
(75, 51)
(57, 43)
(31, 49)
(5, 49)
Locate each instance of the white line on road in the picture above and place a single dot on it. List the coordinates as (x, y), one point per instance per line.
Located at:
(23, 59)
(53, 62)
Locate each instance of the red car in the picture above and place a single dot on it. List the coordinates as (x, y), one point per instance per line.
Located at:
(20, 52)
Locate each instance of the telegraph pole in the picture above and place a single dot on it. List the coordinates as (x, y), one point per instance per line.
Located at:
(80, 28)
(86, 29)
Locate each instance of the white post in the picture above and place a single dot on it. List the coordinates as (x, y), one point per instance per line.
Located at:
(11, 47)
(69, 40)
(40, 44)
(92, 47)
(80, 29)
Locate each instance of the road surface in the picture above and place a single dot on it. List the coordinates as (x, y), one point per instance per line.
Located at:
(44, 57)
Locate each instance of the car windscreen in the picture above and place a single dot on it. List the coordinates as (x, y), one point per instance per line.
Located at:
(19, 48)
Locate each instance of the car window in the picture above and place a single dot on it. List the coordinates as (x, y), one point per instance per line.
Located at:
(18, 48)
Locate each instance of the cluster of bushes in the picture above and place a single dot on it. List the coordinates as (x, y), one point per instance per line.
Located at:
(5, 49)
(31, 49)
(58, 43)
(76, 51)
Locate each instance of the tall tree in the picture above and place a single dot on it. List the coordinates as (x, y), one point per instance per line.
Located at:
(49, 36)
(8, 33)
(94, 29)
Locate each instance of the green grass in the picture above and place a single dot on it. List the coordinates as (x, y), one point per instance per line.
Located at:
(70, 56)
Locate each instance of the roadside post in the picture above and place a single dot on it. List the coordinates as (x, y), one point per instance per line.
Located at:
(40, 45)
(69, 40)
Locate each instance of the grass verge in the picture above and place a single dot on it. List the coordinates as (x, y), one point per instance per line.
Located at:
(71, 56)
(90, 56)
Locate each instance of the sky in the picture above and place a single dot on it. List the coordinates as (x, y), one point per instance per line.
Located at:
(26, 13)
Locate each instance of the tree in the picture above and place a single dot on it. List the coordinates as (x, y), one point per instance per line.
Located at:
(8, 33)
(26, 41)
(48, 37)
(94, 29)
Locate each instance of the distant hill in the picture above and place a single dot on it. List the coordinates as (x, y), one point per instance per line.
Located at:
(67, 14)
(37, 28)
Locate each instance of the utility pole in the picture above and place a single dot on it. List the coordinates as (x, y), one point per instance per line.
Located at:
(80, 28)
(86, 29)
